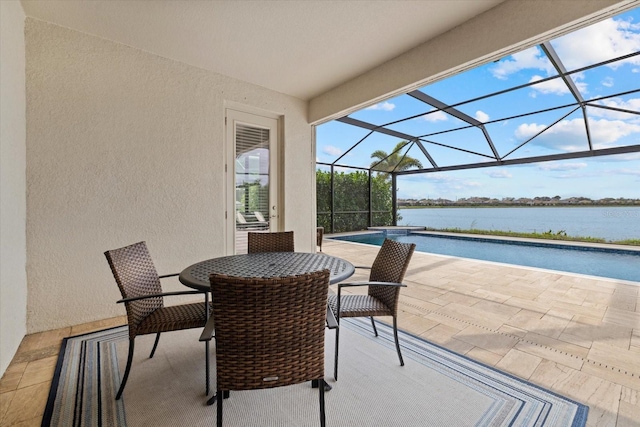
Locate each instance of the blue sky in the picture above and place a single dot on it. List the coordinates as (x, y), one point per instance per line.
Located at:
(596, 177)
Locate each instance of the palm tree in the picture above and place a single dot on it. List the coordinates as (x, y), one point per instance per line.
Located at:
(394, 162)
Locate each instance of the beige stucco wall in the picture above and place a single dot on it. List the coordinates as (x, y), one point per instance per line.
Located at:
(124, 146)
(504, 29)
(13, 253)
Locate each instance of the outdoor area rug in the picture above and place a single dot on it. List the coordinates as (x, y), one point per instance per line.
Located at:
(435, 387)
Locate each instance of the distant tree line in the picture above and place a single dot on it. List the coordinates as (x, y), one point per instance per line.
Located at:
(522, 201)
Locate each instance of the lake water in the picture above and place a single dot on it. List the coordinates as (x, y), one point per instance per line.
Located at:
(610, 223)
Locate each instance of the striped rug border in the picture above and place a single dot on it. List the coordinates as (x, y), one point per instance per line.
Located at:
(414, 346)
(385, 331)
(53, 391)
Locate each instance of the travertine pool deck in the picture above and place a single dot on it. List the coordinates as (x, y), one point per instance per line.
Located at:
(576, 335)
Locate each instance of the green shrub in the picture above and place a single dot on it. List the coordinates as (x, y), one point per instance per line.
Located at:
(351, 202)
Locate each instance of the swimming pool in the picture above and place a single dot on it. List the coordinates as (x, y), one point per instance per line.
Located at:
(611, 263)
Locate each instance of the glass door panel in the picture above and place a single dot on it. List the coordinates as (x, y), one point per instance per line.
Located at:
(254, 171)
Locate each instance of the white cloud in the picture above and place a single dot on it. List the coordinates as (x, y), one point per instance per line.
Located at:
(382, 106)
(633, 172)
(604, 133)
(567, 135)
(527, 130)
(570, 135)
(561, 166)
(437, 116)
(632, 104)
(607, 81)
(532, 58)
(599, 42)
(499, 174)
(331, 150)
(557, 86)
(482, 116)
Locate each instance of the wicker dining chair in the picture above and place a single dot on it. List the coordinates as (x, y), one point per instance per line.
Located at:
(281, 241)
(269, 332)
(142, 295)
(385, 281)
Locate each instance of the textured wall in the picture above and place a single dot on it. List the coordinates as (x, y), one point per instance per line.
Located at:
(506, 28)
(124, 146)
(13, 252)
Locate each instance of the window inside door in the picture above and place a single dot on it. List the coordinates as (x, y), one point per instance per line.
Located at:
(252, 178)
(252, 182)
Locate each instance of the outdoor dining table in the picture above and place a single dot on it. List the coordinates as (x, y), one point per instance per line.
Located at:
(267, 264)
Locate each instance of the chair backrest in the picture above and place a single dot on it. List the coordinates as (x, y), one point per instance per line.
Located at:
(135, 274)
(269, 331)
(259, 216)
(281, 241)
(390, 265)
(240, 218)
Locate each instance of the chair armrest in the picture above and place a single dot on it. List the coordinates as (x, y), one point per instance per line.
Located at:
(207, 332)
(164, 294)
(332, 323)
(352, 284)
(169, 275)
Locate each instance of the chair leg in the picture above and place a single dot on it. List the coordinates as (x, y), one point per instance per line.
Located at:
(315, 384)
(321, 393)
(155, 345)
(335, 360)
(213, 399)
(206, 367)
(219, 412)
(375, 331)
(206, 346)
(127, 369)
(395, 335)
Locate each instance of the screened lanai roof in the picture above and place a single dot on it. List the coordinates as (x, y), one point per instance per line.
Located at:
(571, 97)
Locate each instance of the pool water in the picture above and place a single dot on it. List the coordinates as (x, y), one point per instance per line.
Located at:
(611, 263)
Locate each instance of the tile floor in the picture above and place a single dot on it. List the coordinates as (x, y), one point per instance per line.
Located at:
(578, 336)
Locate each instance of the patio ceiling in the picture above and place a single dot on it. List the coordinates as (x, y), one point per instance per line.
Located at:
(553, 102)
(300, 48)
